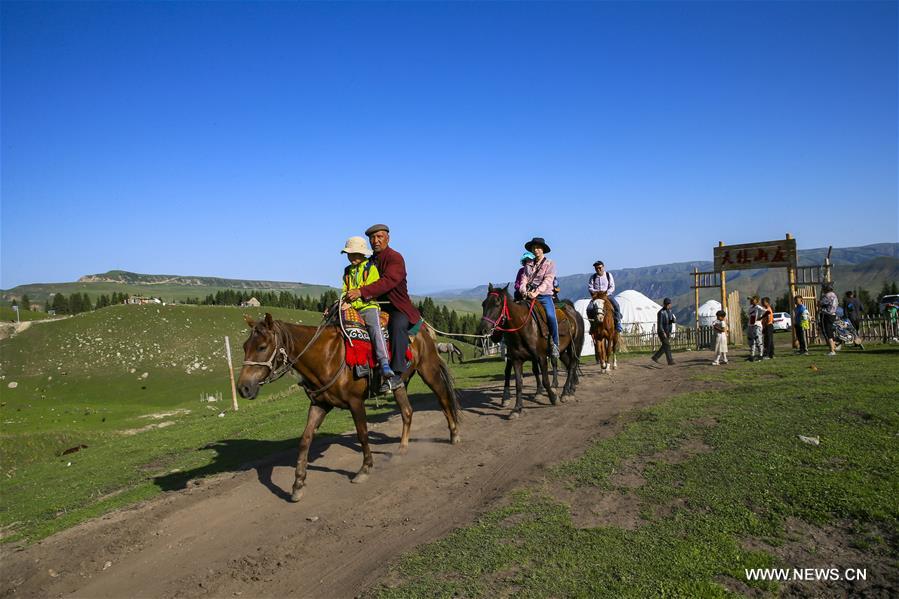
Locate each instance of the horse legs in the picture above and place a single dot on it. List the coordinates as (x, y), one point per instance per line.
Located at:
(402, 400)
(553, 398)
(555, 364)
(357, 408)
(539, 391)
(506, 395)
(568, 389)
(317, 413)
(519, 383)
(437, 377)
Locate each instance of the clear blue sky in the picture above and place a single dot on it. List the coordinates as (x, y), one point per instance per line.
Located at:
(249, 140)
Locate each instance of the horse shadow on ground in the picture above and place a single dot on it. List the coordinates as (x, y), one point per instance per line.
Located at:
(263, 456)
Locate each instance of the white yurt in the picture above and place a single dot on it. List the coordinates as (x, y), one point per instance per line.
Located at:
(707, 313)
(581, 307)
(637, 311)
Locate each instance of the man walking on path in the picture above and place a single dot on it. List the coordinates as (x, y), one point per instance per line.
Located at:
(665, 326)
(391, 287)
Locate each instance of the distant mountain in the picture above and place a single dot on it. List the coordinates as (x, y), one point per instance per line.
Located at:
(866, 266)
(166, 287)
(132, 278)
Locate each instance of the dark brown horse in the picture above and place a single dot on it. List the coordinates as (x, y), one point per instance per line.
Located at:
(317, 356)
(526, 342)
(604, 333)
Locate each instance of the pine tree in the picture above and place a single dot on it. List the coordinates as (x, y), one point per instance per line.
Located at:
(75, 306)
(60, 304)
(86, 302)
(26, 302)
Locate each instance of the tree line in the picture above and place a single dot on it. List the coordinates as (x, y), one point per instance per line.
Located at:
(440, 317)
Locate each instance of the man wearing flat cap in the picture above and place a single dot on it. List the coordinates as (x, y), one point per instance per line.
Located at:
(603, 281)
(392, 288)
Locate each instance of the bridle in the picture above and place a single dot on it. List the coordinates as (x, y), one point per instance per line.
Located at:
(505, 316)
(275, 373)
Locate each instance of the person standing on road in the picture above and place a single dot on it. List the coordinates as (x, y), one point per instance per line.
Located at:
(720, 327)
(767, 329)
(802, 321)
(754, 329)
(664, 327)
(828, 310)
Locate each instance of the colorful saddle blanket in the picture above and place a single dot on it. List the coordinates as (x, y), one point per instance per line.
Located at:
(360, 352)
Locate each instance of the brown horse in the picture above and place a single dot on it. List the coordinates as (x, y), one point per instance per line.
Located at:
(526, 342)
(317, 356)
(604, 333)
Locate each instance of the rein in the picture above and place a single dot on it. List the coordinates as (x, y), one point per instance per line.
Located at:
(505, 316)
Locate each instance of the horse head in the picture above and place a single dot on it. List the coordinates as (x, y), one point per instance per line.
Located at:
(260, 353)
(493, 308)
(598, 302)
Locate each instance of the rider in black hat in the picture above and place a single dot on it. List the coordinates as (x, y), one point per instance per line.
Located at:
(540, 276)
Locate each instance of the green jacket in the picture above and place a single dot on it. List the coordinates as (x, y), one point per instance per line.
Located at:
(354, 277)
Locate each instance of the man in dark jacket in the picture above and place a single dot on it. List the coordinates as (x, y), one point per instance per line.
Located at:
(391, 287)
(665, 326)
(852, 309)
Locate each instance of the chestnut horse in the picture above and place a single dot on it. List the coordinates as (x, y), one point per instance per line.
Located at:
(604, 333)
(317, 355)
(525, 342)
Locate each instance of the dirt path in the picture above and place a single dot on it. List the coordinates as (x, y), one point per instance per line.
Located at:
(237, 535)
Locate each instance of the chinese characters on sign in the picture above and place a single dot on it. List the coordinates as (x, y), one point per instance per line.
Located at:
(765, 254)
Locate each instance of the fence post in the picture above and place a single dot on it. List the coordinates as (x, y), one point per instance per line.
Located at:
(231, 374)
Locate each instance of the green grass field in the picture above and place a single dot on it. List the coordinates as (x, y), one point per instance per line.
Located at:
(132, 383)
(697, 489)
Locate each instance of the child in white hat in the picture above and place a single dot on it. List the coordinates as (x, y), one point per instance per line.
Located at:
(359, 273)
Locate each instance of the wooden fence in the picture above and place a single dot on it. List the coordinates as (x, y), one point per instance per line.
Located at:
(878, 329)
(684, 338)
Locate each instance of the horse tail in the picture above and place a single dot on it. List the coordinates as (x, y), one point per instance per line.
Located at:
(449, 385)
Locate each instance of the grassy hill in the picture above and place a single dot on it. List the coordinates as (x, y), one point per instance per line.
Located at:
(133, 385)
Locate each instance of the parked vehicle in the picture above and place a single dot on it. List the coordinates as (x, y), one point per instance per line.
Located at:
(886, 301)
(782, 321)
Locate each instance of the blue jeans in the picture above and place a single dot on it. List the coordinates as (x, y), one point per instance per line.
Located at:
(547, 301)
(617, 310)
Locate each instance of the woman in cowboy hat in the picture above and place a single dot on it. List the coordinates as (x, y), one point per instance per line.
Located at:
(363, 271)
(539, 277)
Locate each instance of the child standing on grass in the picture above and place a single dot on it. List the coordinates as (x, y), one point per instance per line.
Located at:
(359, 273)
(720, 327)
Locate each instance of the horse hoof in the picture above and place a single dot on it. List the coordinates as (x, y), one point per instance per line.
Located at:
(455, 438)
(360, 478)
(403, 450)
(297, 494)
(515, 414)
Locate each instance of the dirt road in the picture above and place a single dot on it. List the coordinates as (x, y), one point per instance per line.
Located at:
(237, 535)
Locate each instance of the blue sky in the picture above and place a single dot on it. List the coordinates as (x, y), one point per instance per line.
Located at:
(249, 140)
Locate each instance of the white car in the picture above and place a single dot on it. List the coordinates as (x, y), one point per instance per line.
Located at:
(888, 300)
(782, 321)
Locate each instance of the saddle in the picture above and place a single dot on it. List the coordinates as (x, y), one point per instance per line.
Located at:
(539, 316)
(358, 345)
